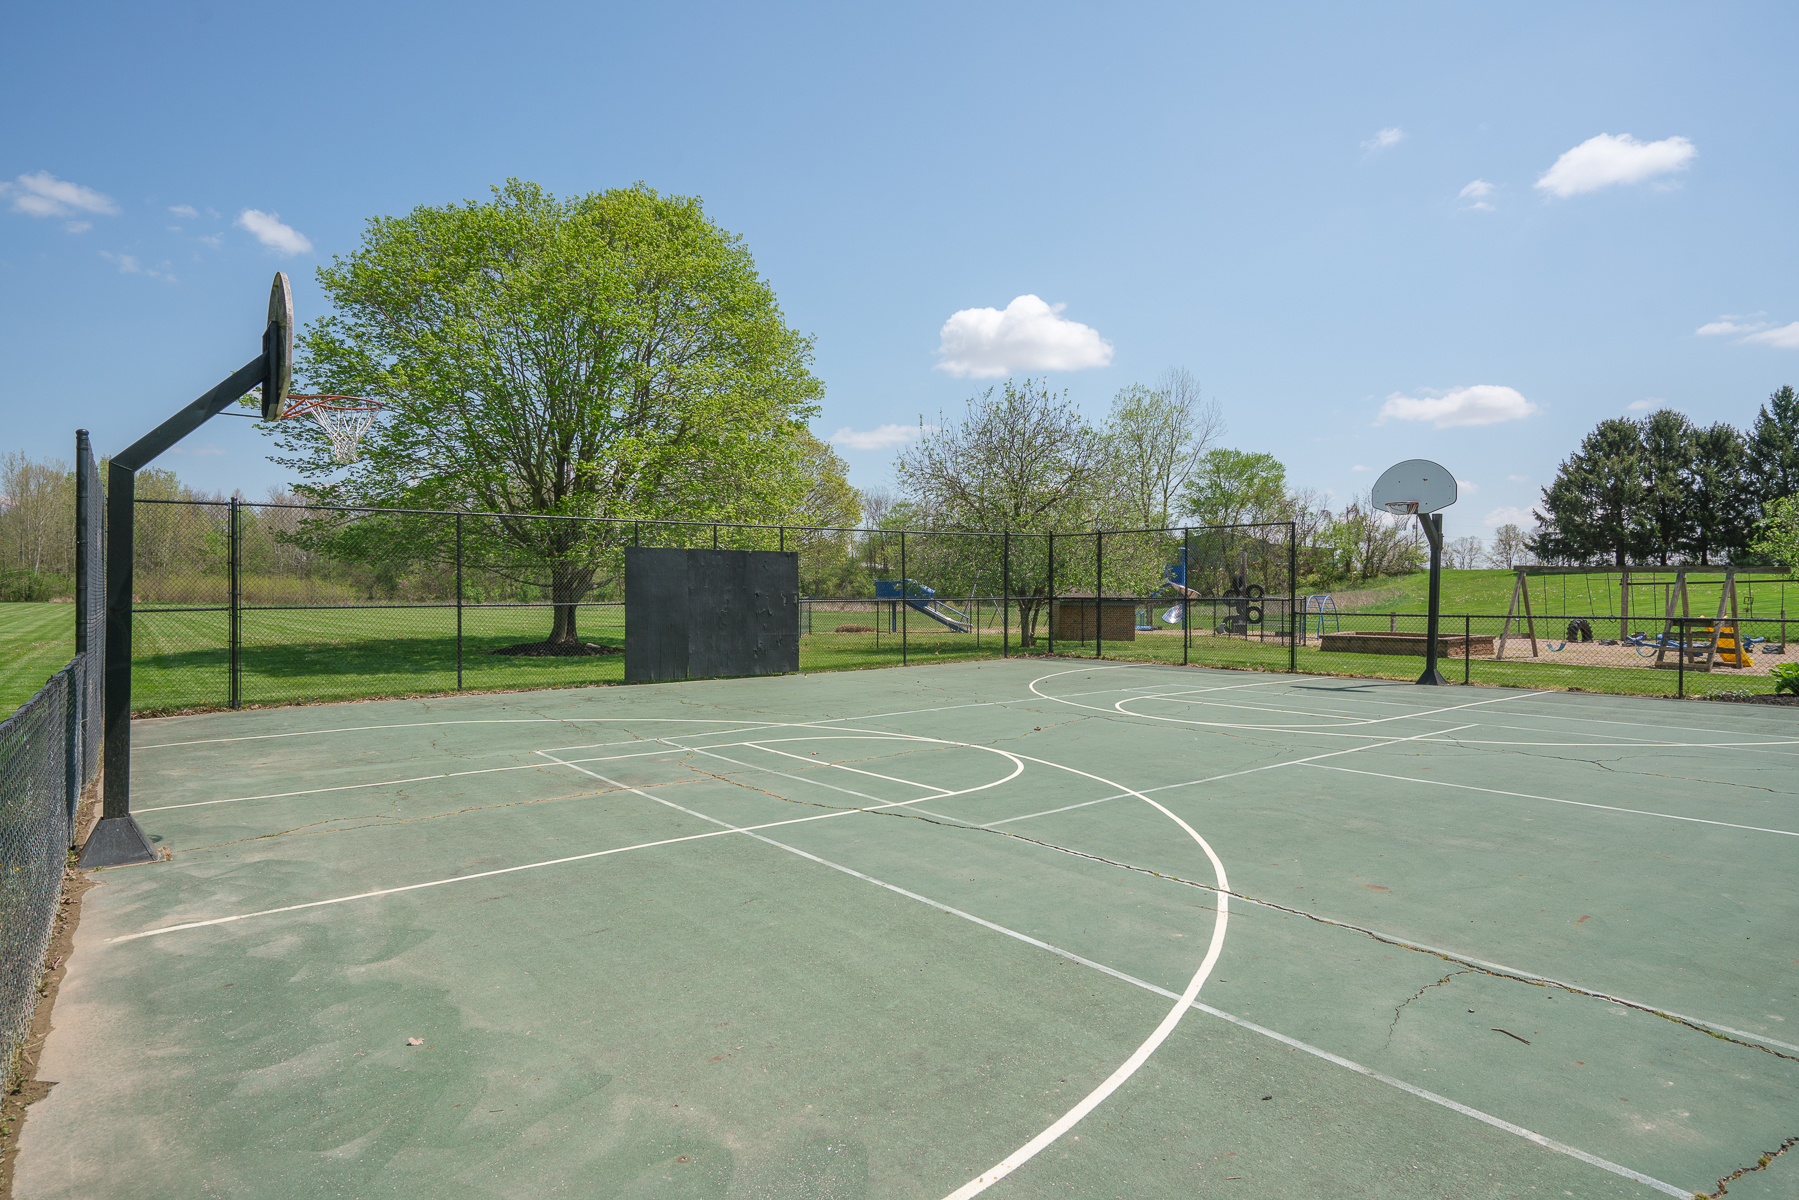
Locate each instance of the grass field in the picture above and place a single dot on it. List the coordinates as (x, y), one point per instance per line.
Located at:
(182, 659)
(36, 641)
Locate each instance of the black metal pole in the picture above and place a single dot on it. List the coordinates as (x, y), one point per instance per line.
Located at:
(1292, 597)
(1052, 593)
(1099, 591)
(1433, 530)
(1005, 598)
(904, 587)
(116, 838)
(1467, 643)
(459, 602)
(234, 626)
(1187, 592)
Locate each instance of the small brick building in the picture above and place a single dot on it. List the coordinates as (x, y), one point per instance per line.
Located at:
(1072, 618)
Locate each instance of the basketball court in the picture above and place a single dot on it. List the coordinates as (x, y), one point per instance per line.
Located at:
(1027, 927)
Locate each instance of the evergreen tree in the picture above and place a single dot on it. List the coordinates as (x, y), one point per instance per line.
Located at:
(1773, 449)
(1595, 506)
(1721, 516)
(1667, 482)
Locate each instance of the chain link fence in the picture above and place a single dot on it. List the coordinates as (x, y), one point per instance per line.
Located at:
(259, 604)
(1732, 658)
(50, 755)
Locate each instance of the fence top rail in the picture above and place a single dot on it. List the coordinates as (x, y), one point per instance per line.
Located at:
(1175, 531)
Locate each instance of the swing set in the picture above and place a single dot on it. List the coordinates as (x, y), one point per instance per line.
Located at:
(1702, 646)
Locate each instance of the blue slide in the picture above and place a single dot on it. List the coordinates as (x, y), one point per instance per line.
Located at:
(923, 599)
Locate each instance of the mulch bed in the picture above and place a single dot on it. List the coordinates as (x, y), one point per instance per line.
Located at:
(1756, 698)
(556, 650)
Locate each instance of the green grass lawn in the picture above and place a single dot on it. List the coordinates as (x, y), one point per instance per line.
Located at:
(36, 641)
(181, 660)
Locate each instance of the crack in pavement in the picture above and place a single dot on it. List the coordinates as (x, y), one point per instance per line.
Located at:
(1427, 987)
(1761, 1164)
(1385, 939)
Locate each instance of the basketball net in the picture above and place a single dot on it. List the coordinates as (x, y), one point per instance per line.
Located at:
(1403, 508)
(343, 418)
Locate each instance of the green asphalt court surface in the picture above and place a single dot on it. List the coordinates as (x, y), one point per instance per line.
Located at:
(1031, 927)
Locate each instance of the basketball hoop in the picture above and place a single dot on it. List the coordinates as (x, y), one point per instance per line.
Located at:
(343, 418)
(1403, 508)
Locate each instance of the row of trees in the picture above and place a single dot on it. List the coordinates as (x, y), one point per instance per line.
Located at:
(1662, 489)
(1024, 460)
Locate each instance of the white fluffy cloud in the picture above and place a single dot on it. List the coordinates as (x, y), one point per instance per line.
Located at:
(1508, 515)
(1482, 404)
(1029, 335)
(1604, 160)
(1390, 136)
(267, 228)
(1728, 324)
(1785, 336)
(44, 195)
(1761, 333)
(128, 264)
(881, 437)
(1462, 485)
(1476, 193)
(184, 210)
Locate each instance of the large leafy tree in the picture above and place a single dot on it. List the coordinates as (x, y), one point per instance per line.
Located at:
(1155, 437)
(606, 355)
(1233, 487)
(1773, 448)
(1021, 460)
(1594, 508)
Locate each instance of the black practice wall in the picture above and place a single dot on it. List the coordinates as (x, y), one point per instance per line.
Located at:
(696, 614)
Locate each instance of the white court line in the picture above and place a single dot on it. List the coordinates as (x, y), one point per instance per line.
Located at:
(548, 862)
(1641, 812)
(1293, 762)
(661, 747)
(982, 1182)
(841, 767)
(1282, 727)
(1126, 1069)
(750, 832)
(259, 737)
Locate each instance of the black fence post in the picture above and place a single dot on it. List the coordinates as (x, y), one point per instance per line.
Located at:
(1005, 594)
(1292, 598)
(1680, 670)
(900, 608)
(1099, 592)
(1186, 592)
(234, 623)
(715, 535)
(1467, 643)
(1052, 593)
(459, 602)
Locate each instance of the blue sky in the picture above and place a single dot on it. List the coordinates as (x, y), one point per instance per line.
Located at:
(1363, 228)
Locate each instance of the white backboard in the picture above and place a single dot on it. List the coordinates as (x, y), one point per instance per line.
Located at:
(1416, 485)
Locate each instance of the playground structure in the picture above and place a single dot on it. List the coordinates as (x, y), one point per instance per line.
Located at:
(1697, 644)
(1324, 607)
(916, 596)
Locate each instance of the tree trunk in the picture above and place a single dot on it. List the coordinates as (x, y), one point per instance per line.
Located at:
(1028, 609)
(567, 586)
